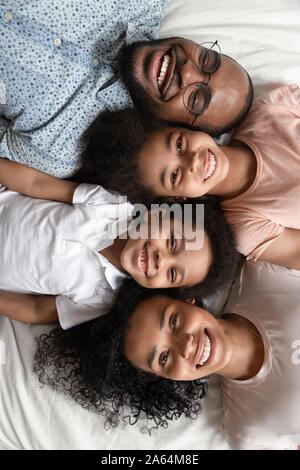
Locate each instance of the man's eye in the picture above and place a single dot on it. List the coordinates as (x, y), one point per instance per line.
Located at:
(179, 144)
(164, 359)
(174, 176)
(172, 275)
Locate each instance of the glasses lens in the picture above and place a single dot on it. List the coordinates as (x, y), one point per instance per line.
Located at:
(196, 98)
(207, 60)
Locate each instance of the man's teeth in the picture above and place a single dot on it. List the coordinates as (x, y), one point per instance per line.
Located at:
(163, 70)
(206, 350)
(212, 165)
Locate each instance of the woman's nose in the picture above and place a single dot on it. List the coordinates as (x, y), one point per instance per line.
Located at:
(187, 345)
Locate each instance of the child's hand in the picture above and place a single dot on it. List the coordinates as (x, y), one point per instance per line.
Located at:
(28, 308)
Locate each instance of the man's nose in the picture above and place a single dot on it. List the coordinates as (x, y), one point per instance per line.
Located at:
(189, 74)
(187, 345)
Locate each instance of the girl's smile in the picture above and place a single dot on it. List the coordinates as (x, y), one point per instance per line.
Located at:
(183, 163)
(167, 261)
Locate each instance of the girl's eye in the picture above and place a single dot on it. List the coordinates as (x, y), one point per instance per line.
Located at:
(173, 322)
(164, 359)
(174, 177)
(172, 243)
(172, 275)
(179, 144)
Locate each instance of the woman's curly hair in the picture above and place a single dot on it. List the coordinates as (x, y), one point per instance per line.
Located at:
(87, 364)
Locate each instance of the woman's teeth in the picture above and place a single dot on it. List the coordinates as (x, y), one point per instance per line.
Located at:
(206, 350)
(212, 165)
(163, 70)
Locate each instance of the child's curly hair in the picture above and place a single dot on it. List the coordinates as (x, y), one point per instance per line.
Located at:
(112, 144)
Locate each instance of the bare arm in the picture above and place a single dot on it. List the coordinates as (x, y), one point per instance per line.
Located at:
(34, 183)
(285, 250)
(28, 308)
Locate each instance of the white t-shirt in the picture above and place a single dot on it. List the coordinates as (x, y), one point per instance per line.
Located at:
(53, 248)
(264, 411)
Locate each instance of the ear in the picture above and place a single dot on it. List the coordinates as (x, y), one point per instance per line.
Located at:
(175, 199)
(190, 301)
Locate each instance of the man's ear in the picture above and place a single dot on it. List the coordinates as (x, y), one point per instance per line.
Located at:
(191, 301)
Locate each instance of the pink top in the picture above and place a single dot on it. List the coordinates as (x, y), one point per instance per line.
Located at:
(264, 412)
(272, 131)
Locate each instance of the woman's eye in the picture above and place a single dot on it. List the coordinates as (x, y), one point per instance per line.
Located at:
(174, 176)
(172, 275)
(173, 322)
(179, 144)
(164, 359)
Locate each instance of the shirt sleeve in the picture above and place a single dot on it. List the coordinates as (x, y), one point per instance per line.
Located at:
(253, 234)
(239, 443)
(71, 313)
(287, 96)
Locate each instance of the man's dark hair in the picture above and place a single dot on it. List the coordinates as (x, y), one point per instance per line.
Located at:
(150, 109)
(87, 363)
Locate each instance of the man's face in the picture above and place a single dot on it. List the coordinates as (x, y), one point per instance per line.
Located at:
(167, 71)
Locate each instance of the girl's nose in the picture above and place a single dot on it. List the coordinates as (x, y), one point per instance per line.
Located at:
(187, 345)
(193, 163)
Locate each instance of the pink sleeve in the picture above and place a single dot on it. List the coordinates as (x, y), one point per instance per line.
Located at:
(253, 235)
(287, 96)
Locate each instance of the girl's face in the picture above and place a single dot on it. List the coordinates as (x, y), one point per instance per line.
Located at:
(167, 261)
(179, 162)
(176, 340)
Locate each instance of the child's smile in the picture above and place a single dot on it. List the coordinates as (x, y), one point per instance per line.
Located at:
(179, 162)
(167, 261)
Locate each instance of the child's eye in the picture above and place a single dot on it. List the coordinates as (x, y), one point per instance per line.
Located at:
(174, 322)
(174, 177)
(172, 243)
(164, 358)
(178, 144)
(172, 275)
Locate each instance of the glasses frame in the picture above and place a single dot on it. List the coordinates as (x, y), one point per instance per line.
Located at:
(201, 84)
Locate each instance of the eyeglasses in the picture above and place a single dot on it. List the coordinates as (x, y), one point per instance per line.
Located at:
(197, 96)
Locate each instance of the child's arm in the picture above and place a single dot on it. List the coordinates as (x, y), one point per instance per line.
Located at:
(28, 308)
(34, 183)
(285, 250)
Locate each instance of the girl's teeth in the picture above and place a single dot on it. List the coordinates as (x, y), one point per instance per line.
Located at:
(212, 165)
(163, 70)
(206, 351)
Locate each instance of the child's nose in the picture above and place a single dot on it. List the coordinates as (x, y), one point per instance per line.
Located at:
(187, 345)
(193, 161)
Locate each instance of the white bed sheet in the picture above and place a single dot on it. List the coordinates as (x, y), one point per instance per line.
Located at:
(264, 36)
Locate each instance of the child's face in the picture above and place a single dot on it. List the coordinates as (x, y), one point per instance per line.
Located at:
(176, 340)
(179, 162)
(166, 261)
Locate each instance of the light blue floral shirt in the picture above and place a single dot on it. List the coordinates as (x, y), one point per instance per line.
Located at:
(58, 72)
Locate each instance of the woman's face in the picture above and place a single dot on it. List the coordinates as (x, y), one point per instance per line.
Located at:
(167, 261)
(179, 162)
(176, 340)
